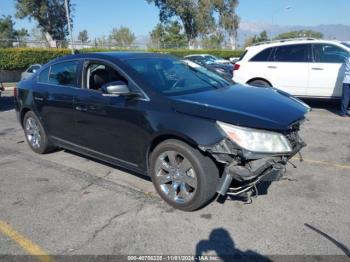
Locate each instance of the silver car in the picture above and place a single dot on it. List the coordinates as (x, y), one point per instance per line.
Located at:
(30, 71)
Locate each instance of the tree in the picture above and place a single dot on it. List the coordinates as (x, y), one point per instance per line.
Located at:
(122, 36)
(6, 31)
(168, 36)
(262, 37)
(8, 34)
(228, 19)
(198, 16)
(49, 14)
(213, 41)
(83, 36)
(185, 10)
(300, 33)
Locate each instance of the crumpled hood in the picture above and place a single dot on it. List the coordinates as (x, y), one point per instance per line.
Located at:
(255, 107)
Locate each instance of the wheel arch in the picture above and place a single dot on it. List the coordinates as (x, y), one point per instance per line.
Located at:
(23, 112)
(259, 78)
(158, 139)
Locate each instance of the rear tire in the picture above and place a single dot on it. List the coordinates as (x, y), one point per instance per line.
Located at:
(183, 177)
(260, 83)
(35, 134)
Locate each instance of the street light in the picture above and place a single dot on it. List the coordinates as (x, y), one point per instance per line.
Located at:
(69, 25)
(286, 8)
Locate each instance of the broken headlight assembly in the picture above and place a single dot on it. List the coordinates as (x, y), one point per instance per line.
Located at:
(255, 140)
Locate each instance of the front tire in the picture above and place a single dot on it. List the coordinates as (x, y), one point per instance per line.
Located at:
(183, 177)
(35, 134)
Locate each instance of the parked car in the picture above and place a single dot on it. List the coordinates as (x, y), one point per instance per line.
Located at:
(30, 71)
(212, 58)
(304, 68)
(224, 70)
(150, 113)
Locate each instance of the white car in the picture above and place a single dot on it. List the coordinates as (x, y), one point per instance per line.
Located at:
(303, 67)
(212, 58)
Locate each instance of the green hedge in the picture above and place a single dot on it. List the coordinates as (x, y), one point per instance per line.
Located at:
(21, 58)
(184, 52)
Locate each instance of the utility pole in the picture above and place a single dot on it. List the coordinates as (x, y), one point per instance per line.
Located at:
(286, 8)
(69, 25)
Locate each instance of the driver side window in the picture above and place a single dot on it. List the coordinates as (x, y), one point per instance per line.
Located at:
(327, 53)
(99, 74)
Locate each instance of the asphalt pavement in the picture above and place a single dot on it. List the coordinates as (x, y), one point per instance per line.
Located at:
(66, 204)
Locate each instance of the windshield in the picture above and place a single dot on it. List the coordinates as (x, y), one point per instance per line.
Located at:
(202, 70)
(172, 77)
(346, 44)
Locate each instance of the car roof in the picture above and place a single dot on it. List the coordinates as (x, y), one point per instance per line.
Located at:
(255, 49)
(291, 42)
(120, 55)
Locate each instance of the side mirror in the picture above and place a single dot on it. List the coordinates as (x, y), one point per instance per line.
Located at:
(118, 88)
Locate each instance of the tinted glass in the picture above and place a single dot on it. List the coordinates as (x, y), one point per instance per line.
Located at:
(44, 75)
(64, 74)
(263, 56)
(172, 77)
(326, 53)
(291, 53)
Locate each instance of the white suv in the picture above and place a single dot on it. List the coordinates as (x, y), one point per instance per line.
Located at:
(301, 67)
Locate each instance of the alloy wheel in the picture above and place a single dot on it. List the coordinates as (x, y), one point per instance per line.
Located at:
(176, 177)
(33, 132)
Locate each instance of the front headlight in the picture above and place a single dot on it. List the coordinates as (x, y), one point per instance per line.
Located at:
(255, 140)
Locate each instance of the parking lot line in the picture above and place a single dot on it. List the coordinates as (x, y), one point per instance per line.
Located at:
(326, 163)
(25, 243)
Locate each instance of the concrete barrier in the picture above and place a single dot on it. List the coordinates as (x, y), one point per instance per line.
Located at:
(10, 76)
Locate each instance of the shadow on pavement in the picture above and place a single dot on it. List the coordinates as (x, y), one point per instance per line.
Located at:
(6, 103)
(223, 245)
(332, 106)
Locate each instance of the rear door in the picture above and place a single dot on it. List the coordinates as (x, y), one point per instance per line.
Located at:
(62, 80)
(326, 70)
(289, 68)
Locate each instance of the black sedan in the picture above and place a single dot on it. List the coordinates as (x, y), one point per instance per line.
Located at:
(193, 134)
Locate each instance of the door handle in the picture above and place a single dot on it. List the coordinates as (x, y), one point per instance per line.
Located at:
(272, 67)
(318, 68)
(80, 108)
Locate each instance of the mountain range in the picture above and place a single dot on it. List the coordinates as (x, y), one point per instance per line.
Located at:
(330, 31)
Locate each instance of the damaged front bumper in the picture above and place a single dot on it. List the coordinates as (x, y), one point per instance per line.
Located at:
(243, 170)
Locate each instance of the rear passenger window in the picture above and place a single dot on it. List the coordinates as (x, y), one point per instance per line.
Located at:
(65, 74)
(263, 56)
(44, 75)
(291, 53)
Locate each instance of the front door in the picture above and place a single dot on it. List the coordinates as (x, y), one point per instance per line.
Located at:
(326, 70)
(111, 126)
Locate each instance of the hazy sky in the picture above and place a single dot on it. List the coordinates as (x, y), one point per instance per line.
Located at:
(99, 17)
